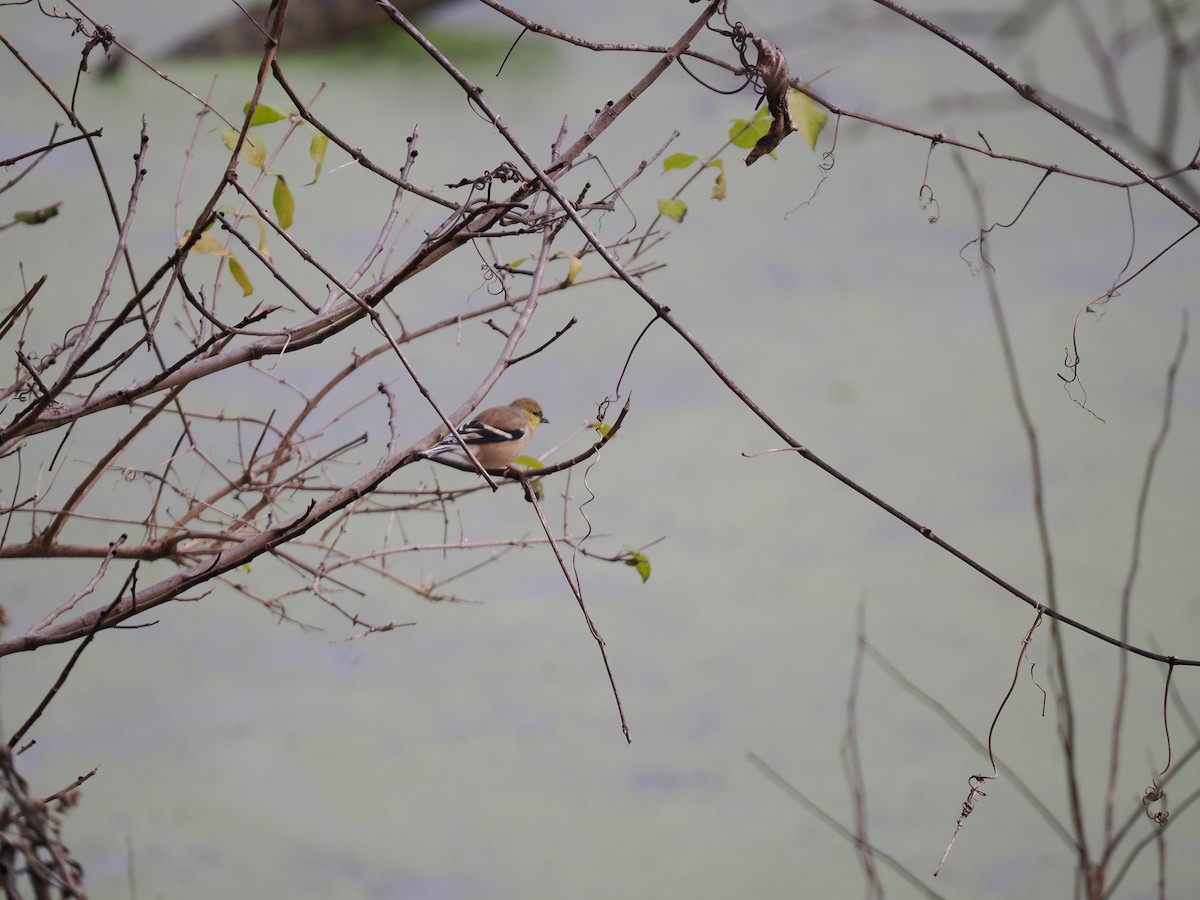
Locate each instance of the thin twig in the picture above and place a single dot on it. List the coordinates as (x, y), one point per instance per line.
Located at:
(837, 827)
(1139, 524)
(577, 592)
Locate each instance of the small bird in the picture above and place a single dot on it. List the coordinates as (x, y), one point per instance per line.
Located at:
(496, 436)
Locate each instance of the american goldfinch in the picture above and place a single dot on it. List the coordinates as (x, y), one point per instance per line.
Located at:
(496, 436)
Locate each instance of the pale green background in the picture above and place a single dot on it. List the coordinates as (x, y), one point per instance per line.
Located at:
(477, 754)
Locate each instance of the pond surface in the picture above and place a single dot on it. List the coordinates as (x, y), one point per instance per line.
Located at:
(478, 753)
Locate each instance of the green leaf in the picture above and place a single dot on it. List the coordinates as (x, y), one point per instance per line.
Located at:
(240, 276)
(37, 216)
(745, 132)
(678, 161)
(601, 428)
(809, 117)
(535, 484)
(672, 209)
(316, 151)
(639, 561)
(284, 202)
(264, 114)
(573, 268)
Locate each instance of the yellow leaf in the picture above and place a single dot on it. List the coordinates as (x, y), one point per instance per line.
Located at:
(254, 151)
(809, 117)
(207, 244)
(262, 237)
(718, 191)
(639, 561)
(316, 152)
(672, 209)
(285, 203)
(240, 276)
